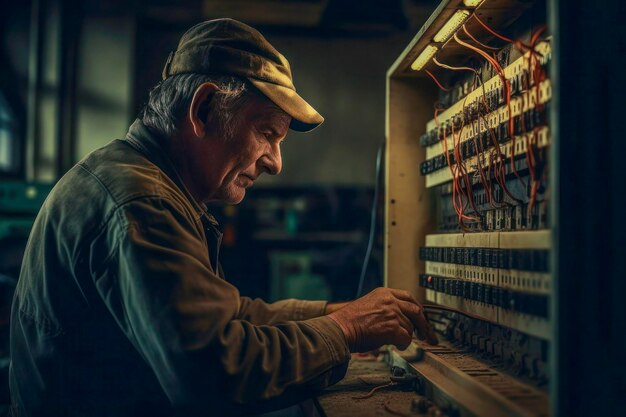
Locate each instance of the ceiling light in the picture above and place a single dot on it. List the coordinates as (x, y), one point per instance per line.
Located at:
(424, 57)
(472, 3)
(457, 19)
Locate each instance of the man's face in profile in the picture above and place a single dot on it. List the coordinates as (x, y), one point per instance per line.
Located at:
(223, 168)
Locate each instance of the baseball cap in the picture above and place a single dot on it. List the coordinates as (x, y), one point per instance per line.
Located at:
(229, 47)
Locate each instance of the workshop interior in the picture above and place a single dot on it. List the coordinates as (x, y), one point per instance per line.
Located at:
(470, 155)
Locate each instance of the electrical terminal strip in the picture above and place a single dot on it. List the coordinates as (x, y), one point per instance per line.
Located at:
(460, 240)
(532, 323)
(476, 308)
(512, 297)
(471, 273)
(521, 104)
(527, 281)
(513, 72)
(444, 174)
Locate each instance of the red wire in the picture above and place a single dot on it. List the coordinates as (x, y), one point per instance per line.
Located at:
(498, 174)
(531, 156)
(457, 199)
(461, 167)
(470, 193)
(444, 144)
(441, 87)
(494, 33)
(499, 161)
(480, 43)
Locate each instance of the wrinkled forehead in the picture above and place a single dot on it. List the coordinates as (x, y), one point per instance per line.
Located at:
(264, 110)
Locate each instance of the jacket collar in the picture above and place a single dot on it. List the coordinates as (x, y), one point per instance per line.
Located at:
(151, 145)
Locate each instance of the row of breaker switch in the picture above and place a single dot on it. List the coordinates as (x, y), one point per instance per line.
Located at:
(519, 259)
(523, 123)
(527, 303)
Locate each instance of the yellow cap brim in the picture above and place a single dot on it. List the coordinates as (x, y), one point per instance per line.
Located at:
(304, 117)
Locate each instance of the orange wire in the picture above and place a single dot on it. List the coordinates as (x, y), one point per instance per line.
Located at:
(498, 162)
(498, 174)
(470, 194)
(462, 169)
(480, 43)
(494, 33)
(441, 87)
(457, 199)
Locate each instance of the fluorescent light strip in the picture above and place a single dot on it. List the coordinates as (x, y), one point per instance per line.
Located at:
(458, 18)
(472, 3)
(424, 57)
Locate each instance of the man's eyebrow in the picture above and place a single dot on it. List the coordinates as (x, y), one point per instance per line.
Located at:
(272, 119)
(271, 113)
(272, 130)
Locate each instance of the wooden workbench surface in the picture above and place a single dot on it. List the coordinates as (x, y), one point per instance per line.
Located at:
(362, 376)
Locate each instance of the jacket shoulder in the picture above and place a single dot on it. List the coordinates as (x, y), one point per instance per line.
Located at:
(87, 196)
(124, 173)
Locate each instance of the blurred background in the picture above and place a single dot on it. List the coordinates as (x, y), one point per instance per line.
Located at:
(74, 74)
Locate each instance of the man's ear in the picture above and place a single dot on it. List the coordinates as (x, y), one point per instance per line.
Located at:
(199, 108)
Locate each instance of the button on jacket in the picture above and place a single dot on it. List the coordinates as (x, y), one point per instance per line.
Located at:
(121, 308)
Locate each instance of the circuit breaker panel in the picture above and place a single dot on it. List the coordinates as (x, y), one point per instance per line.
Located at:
(468, 202)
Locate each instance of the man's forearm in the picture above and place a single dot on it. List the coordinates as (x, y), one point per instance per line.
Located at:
(259, 312)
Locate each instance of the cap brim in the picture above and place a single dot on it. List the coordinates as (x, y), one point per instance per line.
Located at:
(304, 117)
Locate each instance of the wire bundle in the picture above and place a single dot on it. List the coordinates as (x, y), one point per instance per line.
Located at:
(462, 190)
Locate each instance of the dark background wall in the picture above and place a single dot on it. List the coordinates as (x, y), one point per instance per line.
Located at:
(339, 59)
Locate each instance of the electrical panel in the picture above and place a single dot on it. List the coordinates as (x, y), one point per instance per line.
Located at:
(468, 202)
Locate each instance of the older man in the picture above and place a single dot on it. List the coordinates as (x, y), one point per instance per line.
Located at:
(121, 307)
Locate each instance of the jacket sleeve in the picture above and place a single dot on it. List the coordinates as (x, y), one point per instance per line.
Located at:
(183, 319)
(258, 311)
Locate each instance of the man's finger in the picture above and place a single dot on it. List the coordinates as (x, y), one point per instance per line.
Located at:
(406, 322)
(416, 314)
(405, 341)
(403, 295)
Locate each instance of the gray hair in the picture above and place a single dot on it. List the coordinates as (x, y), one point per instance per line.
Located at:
(170, 99)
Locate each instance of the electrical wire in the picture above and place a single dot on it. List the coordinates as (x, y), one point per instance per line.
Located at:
(533, 154)
(493, 32)
(462, 191)
(476, 146)
(438, 308)
(373, 216)
(499, 171)
(373, 391)
(538, 76)
(453, 68)
(479, 43)
(457, 198)
(460, 165)
(441, 87)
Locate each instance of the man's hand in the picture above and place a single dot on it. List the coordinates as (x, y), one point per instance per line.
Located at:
(332, 307)
(384, 316)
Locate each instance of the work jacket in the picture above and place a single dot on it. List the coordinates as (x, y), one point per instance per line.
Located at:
(121, 308)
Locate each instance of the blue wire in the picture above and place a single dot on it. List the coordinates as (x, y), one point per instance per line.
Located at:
(374, 212)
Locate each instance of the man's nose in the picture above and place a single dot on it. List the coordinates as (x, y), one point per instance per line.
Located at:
(271, 161)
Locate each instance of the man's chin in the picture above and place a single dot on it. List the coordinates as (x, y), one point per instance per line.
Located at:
(236, 197)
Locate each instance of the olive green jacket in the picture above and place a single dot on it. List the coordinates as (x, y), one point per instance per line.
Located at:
(121, 307)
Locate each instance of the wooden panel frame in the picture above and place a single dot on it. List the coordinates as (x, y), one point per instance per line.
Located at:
(409, 214)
